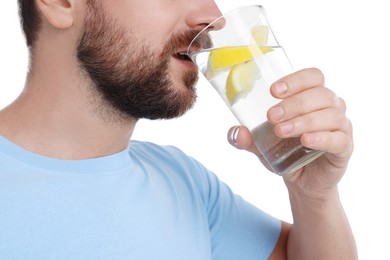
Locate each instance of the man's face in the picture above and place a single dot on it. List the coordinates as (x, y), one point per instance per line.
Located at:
(133, 61)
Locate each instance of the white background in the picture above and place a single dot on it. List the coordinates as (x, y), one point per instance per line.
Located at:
(349, 41)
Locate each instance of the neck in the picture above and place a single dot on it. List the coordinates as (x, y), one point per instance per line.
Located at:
(59, 114)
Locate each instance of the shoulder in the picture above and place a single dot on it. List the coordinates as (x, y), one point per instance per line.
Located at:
(170, 161)
(147, 150)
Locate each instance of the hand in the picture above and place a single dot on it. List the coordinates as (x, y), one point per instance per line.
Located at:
(317, 115)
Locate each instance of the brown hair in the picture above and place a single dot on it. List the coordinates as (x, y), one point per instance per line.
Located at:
(30, 20)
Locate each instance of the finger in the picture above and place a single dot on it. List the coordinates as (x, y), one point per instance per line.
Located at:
(305, 102)
(337, 143)
(330, 119)
(241, 138)
(297, 82)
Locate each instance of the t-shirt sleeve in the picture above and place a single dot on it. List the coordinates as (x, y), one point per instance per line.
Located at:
(238, 229)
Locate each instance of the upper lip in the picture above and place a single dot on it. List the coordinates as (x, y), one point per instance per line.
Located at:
(185, 52)
(201, 42)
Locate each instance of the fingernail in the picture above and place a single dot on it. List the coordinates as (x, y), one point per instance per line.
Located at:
(312, 139)
(286, 128)
(276, 113)
(234, 135)
(280, 88)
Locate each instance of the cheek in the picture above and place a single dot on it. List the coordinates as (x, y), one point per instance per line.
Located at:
(144, 19)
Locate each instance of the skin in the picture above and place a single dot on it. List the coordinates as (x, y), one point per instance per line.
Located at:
(125, 74)
(320, 223)
(59, 115)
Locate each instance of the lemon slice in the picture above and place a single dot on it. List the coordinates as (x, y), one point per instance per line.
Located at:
(241, 80)
(260, 34)
(210, 73)
(227, 57)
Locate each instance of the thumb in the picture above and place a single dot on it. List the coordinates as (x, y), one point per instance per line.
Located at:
(240, 137)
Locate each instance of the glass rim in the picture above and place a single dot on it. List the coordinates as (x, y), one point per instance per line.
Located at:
(228, 13)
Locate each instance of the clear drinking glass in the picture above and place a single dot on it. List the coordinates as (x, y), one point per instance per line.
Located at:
(241, 61)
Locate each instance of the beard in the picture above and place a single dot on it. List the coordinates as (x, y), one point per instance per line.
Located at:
(128, 77)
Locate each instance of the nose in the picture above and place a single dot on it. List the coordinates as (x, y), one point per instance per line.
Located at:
(203, 14)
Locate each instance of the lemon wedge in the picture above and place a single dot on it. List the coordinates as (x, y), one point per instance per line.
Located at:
(260, 34)
(227, 57)
(241, 80)
(224, 58)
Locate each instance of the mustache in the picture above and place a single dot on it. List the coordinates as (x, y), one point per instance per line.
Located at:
(180, 41)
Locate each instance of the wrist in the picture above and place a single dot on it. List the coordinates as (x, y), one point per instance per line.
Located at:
(308, 199)
(313, 189)
(309, 211)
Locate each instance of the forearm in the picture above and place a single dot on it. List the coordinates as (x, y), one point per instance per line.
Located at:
(321, 229)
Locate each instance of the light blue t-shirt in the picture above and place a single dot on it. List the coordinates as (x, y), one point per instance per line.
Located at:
(148, 202)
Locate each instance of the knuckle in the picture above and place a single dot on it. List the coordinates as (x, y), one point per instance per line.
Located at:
(304, 123)
(333, 99)
(342, 104)
(349, 127)
(319, 75)
(309, 121)
(342, 122)
(340, 119)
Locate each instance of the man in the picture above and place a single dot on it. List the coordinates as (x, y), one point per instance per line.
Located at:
(73, 187)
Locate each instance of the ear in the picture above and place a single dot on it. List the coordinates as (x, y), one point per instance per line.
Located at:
(59, 13)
